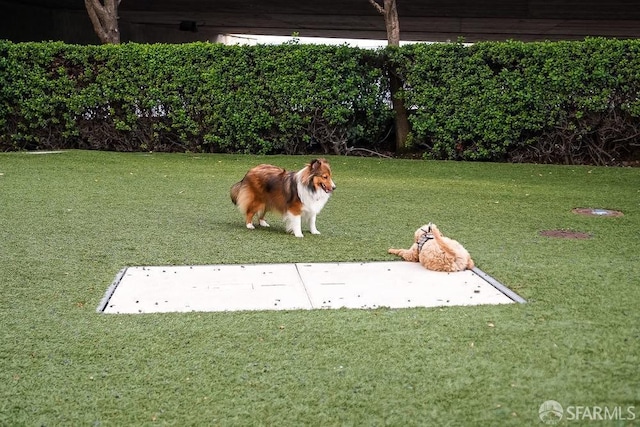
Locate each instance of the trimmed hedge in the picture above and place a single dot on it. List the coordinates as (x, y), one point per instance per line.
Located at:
(190, 97)
(552, 102)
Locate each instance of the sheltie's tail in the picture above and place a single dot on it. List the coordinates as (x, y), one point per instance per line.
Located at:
(235, 191)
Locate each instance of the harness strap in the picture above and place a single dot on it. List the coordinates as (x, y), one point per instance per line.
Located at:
(424, 239)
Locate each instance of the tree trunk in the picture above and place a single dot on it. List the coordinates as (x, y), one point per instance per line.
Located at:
(104, 17)
(392, 23)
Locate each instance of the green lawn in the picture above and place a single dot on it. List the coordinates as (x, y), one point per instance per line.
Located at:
(69, 222)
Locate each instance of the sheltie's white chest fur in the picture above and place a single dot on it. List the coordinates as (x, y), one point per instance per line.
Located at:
(312, 201)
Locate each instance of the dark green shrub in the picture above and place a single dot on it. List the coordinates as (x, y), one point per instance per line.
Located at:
(561, 102)
(558, 102)
(198, 97)
(33, 96)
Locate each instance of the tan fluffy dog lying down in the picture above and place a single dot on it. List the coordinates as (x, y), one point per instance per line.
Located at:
(435, 252)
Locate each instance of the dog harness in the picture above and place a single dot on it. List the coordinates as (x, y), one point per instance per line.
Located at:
(424, 239)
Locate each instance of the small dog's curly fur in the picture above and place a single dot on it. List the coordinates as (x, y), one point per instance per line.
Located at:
(435, 252)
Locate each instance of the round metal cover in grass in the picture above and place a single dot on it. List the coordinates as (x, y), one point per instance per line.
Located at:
(596, 212)
(565, 234)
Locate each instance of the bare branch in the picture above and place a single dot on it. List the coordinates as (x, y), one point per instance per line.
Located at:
(96, 8)
(96, 12)
(111, 6)
(104, 18)
(379, 8)
(375, 153)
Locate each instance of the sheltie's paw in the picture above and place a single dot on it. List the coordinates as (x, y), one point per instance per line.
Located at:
(251, 226)
(264, 223)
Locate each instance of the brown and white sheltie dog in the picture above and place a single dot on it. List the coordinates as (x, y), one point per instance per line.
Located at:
(293, 194)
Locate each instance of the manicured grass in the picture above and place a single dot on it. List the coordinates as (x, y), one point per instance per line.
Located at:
(69, 222)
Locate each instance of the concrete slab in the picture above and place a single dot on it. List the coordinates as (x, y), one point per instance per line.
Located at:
(301, 286)
(394, 284)
(208, 288)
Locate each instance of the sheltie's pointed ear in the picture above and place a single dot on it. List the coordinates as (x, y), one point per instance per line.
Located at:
(315, 164)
